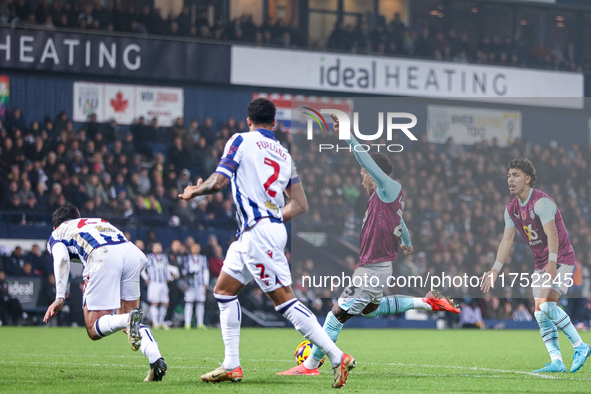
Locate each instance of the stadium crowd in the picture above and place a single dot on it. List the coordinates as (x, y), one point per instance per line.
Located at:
(455, 199)
(394, 38)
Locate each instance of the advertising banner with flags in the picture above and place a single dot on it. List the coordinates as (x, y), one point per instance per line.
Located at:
(126, 103)
(296, 123)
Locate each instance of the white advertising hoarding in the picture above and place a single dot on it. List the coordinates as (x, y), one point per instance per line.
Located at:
(469, 126)
(126, 103)
(403, 77)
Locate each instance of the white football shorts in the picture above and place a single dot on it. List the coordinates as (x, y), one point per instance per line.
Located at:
(112, 274)
(367, 285)
(158, 292)
(562, 282)
(258, 254)
(195, 294)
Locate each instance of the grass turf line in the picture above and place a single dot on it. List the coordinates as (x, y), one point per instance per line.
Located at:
(39, 359)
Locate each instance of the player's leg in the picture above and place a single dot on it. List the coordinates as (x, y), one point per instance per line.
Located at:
(549, 335)
(361, 296)
(162, 314)
(333, 324)
(153, 300)
(148, 345)
(199, 314)
(130, 293)
(188, 314)
(200, 298)
(164, 302)
(264, 258)
(100, 324)
(391, 305)
(102, 295)
(547, 304)
(306, 324)
(233, 277)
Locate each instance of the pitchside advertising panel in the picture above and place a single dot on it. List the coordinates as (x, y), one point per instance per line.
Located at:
(126, 103)
(99, 54)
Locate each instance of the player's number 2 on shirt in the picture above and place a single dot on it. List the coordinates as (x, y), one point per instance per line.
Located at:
(273, 177)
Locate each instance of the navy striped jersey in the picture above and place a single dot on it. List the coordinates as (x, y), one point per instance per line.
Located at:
(157, 268)
(196, 271)
(82, 236)
(260, 169)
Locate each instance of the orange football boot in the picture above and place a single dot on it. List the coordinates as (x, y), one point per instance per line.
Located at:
(300, 370)
(441, 303)
(341, 373)
(221, 374)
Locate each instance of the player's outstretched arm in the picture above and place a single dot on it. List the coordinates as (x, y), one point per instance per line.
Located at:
(490, 277)
(391, 188)
(298, 204)
(212, 185)
(552, 234)
(405, 236)
(61, 270)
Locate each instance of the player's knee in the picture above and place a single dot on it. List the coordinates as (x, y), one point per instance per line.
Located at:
(547, 307)
(369, 308)
(341, 315)
(92, 333)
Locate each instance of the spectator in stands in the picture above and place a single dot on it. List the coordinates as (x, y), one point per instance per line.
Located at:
(13, 264)
(12, 305)
(178, 156)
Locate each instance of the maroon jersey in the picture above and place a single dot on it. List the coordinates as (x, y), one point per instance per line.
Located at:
(528, 220)
(381, 230)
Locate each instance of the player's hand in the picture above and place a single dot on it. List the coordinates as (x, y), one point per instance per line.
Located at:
(488, 282)
(335, 123)
(550, 269)
(407, 249)
(147, 281)
(53, 309)
(189, 192)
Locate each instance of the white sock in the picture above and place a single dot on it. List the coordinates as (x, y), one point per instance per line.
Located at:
(108, 324)
(188, 313)
(149, 346)
(305, 322)
(230, 318)
(199, 312)
(154, 315)
(162, 314)
(421, 304)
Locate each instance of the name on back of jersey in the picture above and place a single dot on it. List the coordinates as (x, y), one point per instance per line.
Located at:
(273, 147)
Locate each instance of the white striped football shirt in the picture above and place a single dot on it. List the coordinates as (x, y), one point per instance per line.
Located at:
(82, 236)
(157, 268)
(260, 169)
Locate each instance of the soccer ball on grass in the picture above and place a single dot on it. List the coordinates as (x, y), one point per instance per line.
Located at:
(303, 351)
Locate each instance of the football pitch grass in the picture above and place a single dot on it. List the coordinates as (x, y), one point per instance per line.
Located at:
(58, 360)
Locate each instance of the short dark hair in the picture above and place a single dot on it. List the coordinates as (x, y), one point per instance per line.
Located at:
(261, 111)
(383, 162)
(526, 166)
(64, 214)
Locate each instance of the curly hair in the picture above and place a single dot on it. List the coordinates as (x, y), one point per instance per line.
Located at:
(526, 166)
(261, 111)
